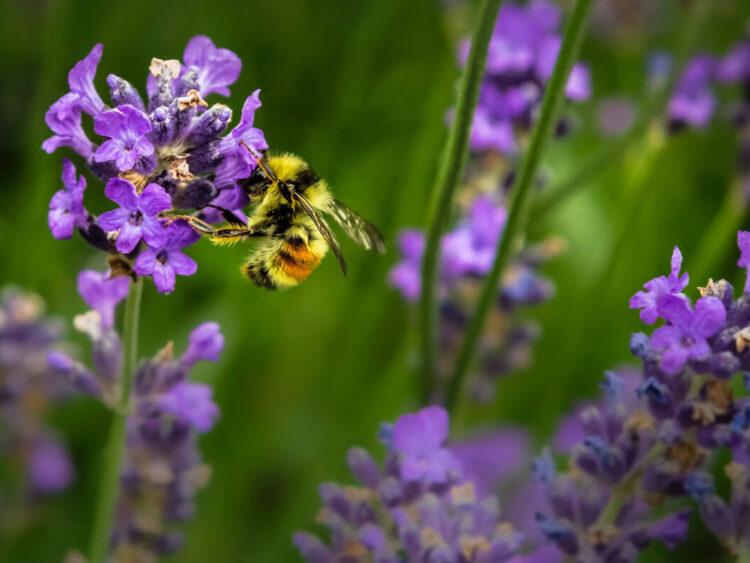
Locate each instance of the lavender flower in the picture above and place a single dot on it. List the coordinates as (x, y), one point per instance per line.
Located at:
(658, 441)
(389, 517)
(693, 103)
(467, 253)
(521, 56)
(167, 260)
(655, 288)
(27, 391)
(127, 128)
(137, 216)
(162, 468)
(165, 155)
(66, 211)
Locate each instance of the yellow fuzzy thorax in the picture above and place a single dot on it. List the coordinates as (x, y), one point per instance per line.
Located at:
(286, 166)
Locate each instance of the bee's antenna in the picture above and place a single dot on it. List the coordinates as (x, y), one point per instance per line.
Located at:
(262, 164)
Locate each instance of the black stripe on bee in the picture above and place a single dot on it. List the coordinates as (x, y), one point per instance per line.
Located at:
(306, 177)
(259, 275)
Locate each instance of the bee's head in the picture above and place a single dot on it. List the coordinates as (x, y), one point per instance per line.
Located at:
(286, 171)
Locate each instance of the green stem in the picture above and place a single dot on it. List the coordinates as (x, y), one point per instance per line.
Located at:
(451, 169)
(743, 555)
(553, 97)
(110, 480)
(654, 106)
(723, 228)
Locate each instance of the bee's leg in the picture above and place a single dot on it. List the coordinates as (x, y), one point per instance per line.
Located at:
(198, 224)
(236, 233)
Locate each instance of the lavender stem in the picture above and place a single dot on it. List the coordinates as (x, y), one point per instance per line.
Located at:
(553, 97)
(110, 480)
(450, 172)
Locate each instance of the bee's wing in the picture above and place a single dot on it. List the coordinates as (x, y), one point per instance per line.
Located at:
(360, 231)
(322, 226)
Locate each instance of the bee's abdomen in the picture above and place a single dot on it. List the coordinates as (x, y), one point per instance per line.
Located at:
(284, 263)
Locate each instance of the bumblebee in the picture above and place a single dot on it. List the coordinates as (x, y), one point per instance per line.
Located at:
(288, 199)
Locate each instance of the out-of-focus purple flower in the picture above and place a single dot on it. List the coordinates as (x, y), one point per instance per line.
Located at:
(492, 134)
(237, 162)
(693, 103)
(735, 66)
(165, 261)
(489, 459)
(406, 275)
(66, 211)
(470, 248)
(28, 390)
(64, 119)
(663, 285)
(81, 81)
(216, 68)
(390, 518)
(206, 343)
(127, 128)
(137, 217)
(50, 468)
(615, 116)
(102, 293)
(419, 439)
(743, 242)
(684, 338)
(193, 403)
(520, 59)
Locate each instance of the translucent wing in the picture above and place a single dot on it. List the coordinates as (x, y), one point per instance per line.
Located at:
(322, 226)
(360, 231)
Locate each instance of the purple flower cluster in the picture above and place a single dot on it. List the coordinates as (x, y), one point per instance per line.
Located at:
(418, 506)
(657, 440)
(694, 102)
(162, 468)
(27, 391)
(168, 153)
(520, 60)
(467, 253)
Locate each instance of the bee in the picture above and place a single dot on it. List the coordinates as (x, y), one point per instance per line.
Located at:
(288, 199)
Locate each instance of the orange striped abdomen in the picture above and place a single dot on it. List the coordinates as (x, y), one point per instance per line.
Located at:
(296, 260)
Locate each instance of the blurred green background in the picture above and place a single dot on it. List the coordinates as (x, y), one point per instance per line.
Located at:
(360, 89)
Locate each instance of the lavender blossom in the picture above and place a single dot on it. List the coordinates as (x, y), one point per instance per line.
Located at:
(167, 155)
(467, 254)
(162, 468)
(389, 517)
(521, 56)
(655, 288)
(693, 103)
(658, 441)
(27, 391)
(66, 212)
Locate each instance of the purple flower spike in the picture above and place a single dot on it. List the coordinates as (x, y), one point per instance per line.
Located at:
(216, 68)
(102, 293)
(166, 261)
(81, 81)
(743, 241)
(128, 128)
(206, 343)
(137, 217)
(684, 338)
(66, 210)
(64, 119)
(419, 439)
(237, 161)
(693, 103)
(655, 288)
(193, 403)
(49, 466)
